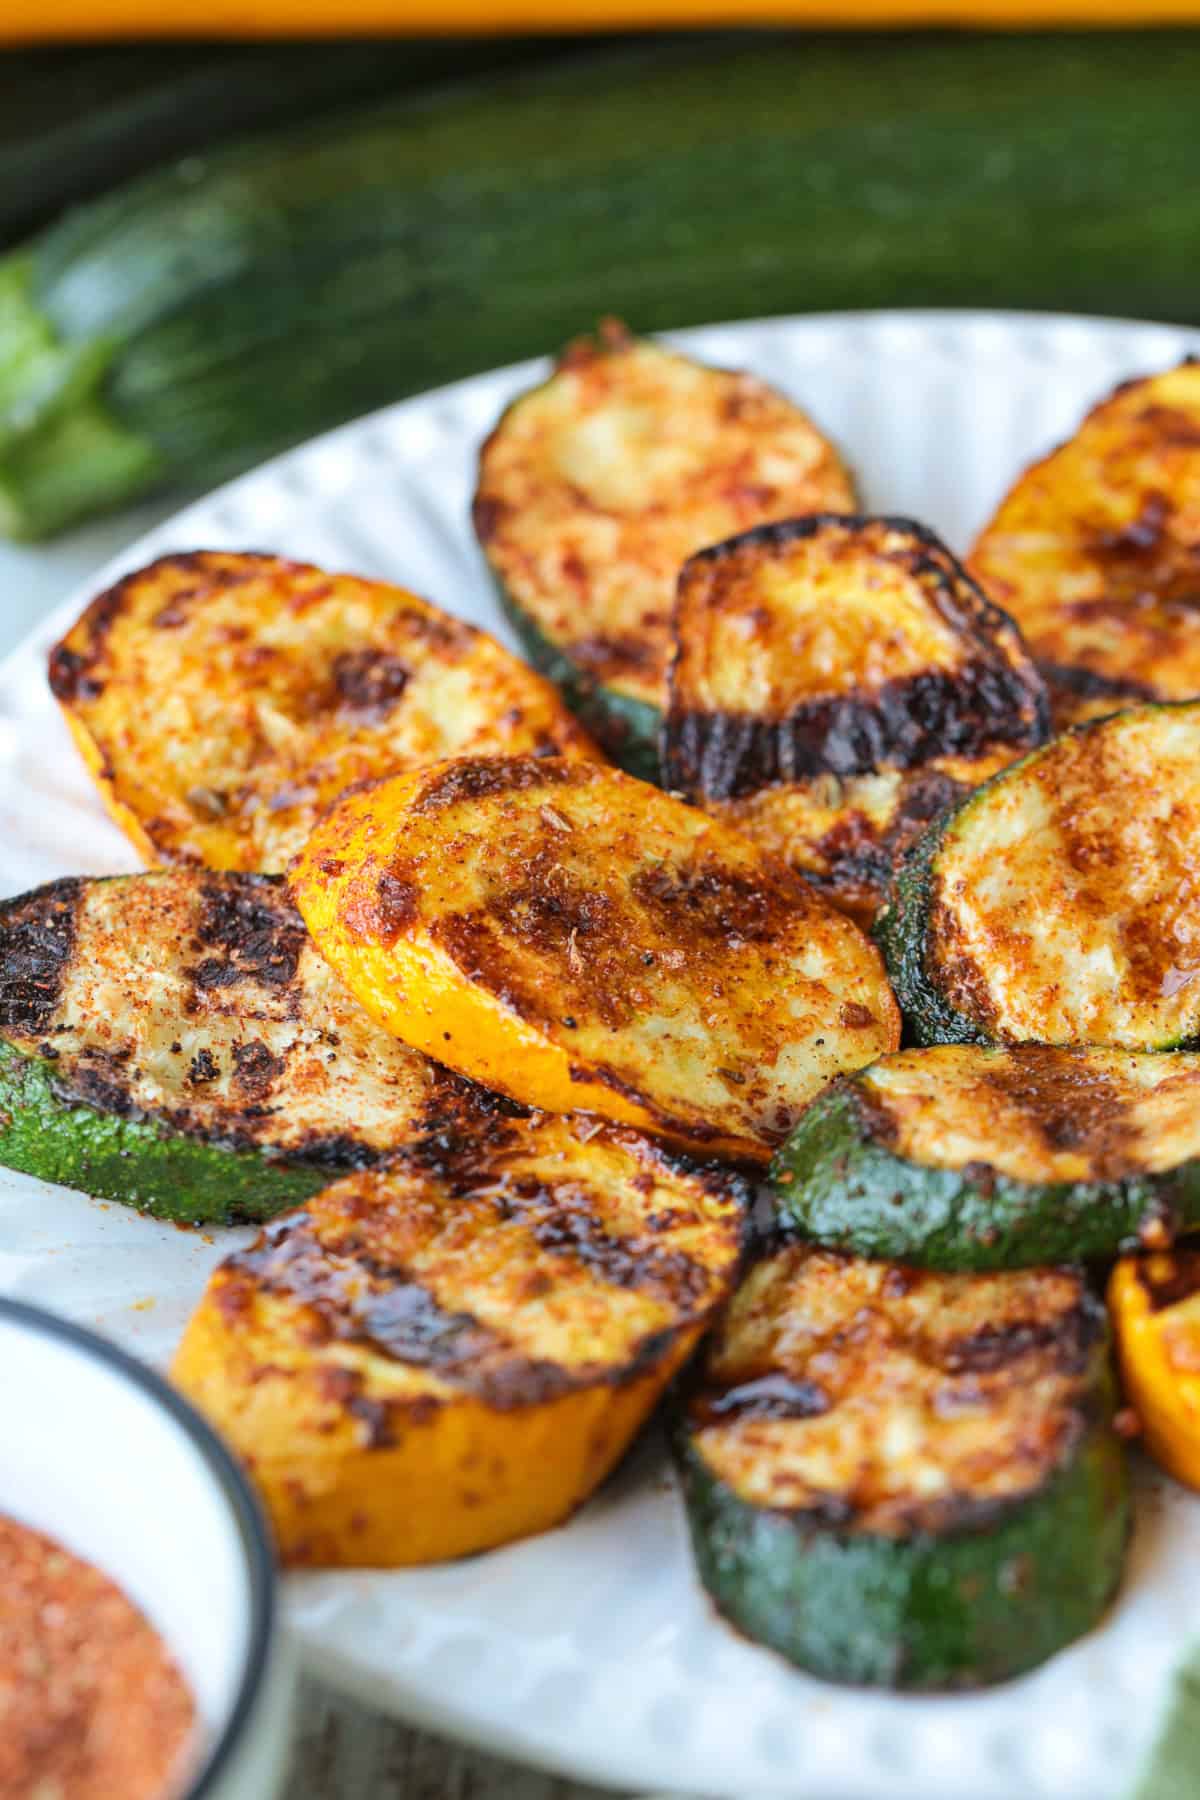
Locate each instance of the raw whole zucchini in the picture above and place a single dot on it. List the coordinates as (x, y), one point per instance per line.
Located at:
(223, 700)
(1057, 904)
(597, 484)
(175, 1041)
(838, 681)
(195, 320)
(577, 939)
(962, 1157)
(1154, 1303)
(434, 1360)
(905, 1479)
(75, 121)
(1096, 551)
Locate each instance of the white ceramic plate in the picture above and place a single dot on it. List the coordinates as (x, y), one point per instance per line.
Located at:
(592, 1650)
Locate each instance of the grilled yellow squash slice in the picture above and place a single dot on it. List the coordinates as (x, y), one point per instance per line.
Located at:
(837, 682)
(595, 486)
(579, 940)
(223, 699)
(1096, 551)
(1154, 1304)
(1059, 903)
(444, 1357)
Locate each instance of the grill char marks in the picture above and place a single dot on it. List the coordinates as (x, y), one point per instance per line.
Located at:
(368, 683)
(288, 686)
(478, 778)
(195, 1003)
(37, 937)
(992, 1349)
(860, 858)
(1068, 682)
(903, 724)
(990, 697)
(369, 1258)
(1070, 1106)
(562, 1222)
(252, 933)
(770, 1396)
(1170, 1280)
(74, 674)
(889, 1399)
(1063, 1100)
(1096, 552)
(358, 1298)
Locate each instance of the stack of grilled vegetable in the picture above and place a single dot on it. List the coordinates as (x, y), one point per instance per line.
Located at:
(494, 1038)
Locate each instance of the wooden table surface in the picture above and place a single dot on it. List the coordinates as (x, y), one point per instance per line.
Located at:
(343, 1751)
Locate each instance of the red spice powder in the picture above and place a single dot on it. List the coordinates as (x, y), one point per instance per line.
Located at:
(92, 1706)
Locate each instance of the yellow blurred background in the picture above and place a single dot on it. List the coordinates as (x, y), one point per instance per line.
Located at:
(30, 21)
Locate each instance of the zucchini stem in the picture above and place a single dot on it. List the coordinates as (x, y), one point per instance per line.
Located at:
(62, 453)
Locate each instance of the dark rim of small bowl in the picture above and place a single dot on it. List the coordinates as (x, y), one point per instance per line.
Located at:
(247, 1515)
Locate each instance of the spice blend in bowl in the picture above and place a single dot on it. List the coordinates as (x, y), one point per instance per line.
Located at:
(92, 1703)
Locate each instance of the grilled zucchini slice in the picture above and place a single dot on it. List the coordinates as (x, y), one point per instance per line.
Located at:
(1154, 1303)
(1096, 551)
(581, 941)
(594, 488)
(963, 1157)
(837, 682)
(1057, 905)
(451, 1354)
(222, 700)
(174, 1040)
(903, 1478)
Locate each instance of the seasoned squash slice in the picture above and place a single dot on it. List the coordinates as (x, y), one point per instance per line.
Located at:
(223, 700)
(1154, 1302)
(174, 1040)
(906, 1479)
(1096, 551)
(963, 1157)
(1058, 904)
(594, 488)
(440, 1358)
(837, 682)
(578, 940)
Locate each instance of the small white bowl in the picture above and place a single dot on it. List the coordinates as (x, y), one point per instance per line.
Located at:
(101, 1454)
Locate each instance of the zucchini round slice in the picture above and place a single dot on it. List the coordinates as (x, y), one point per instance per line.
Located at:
(175, 1041)
(906, 1479)
(1057, 904)
(449, 1355)
(222, 700)
(1096, 551)
(581, 941)
(962, 1157)
(594, 488)
(837, 682)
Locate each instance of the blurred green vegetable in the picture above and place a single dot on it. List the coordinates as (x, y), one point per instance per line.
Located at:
(206, 315)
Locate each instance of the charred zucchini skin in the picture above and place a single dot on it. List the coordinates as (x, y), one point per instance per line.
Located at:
(901, 930)
(626, 728)
(995, 696)
(975, 1605)
(835, 1184)
(164, 1173)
